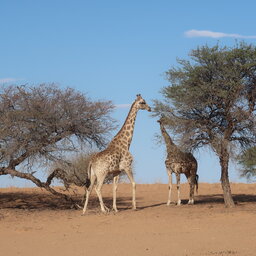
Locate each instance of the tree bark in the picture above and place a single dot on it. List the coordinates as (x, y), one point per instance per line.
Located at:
(224, 160)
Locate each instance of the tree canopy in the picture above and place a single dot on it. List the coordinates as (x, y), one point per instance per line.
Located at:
(211, 101)
(41, 122)
(247, 161)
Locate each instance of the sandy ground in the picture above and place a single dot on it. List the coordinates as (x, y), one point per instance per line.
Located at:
(33, 222)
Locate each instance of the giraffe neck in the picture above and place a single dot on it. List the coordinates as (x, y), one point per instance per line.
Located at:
(124, 136)
(170, 146)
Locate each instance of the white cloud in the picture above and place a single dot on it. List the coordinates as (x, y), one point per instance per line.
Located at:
(7, 80)
(208, 33)
(123, 105)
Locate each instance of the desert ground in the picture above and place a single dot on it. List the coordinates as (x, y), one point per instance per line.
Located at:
(34, 222)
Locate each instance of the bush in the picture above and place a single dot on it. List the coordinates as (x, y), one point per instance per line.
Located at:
(74, 171)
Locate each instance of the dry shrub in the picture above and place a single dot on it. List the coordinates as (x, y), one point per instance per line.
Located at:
(74, 171)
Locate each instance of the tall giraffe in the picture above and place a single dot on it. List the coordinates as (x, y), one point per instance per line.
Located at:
(115, 159)
(179, 162)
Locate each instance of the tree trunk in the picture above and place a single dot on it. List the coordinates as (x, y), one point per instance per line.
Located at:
(224, 160)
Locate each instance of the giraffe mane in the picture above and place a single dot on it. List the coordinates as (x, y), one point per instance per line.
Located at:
(125, 119)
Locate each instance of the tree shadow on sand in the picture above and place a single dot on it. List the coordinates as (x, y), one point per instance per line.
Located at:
(208, 200)
(22, 200)
(43, 201)
(218, 199)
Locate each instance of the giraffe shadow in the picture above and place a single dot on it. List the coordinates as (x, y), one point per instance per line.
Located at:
(123, 203)
(209, 199)
(139, 208)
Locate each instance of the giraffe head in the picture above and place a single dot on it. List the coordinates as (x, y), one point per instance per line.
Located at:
(140, 103)
(162, 119)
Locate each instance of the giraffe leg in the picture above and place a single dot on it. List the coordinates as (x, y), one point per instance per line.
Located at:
(98, 191)
(88, 192)
(115, 182)
(178, 188)
(130, 176)
(84, 196)
(191, 181)
(169, 187)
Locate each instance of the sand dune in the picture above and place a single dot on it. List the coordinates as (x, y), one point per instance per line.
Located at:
(34, 222)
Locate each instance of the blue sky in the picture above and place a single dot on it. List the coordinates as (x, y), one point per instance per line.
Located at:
(113, 50)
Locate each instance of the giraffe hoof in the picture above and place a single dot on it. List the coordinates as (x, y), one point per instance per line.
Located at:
(105, 210)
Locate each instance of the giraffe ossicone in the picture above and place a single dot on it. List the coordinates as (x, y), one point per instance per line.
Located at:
(115, 159)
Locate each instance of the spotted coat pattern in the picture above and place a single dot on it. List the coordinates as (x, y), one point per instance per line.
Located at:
(179, 162)
(115, 159)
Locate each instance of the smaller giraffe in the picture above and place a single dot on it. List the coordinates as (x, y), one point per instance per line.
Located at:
(179, 162)
(115, 159)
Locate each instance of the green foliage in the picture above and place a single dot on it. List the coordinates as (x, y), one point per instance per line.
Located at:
(247, 160)
(211, 98)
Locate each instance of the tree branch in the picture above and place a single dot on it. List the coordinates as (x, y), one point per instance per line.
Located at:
(39, 183)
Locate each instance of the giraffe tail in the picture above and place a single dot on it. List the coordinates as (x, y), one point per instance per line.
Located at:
(196, 182)
(88, 180)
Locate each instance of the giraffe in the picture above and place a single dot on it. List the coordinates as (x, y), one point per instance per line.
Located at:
(115, 159)
(179, 162)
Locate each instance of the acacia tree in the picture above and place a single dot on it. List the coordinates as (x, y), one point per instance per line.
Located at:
(39, 123)
(211, 101)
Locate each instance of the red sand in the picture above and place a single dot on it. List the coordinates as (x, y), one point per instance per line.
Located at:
(33, 222)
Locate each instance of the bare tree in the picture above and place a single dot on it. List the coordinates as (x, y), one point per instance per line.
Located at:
(211, 101)
(40, 123)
